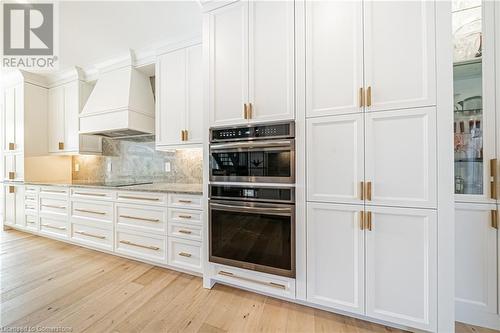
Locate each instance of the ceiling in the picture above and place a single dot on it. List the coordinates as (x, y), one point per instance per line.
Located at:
(95, 31)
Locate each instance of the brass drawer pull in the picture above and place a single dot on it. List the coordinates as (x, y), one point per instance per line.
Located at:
(362, 220)
(186, 136)
(361, 97)
(89, 211)
(362, 190)
(12, 189)
(31, 222)
(54, 191)
(369, 96)
(149, 247)
(187, 232)
(493, 173)
(369, 191)
(184, 254)
(185, 216)
(494, 219)
(185, 201)
(12, 175)
(12, 146)
(53, 206)
(369, 220)
(250, 110)
(90, 235)
(139, 218)
(29, 207)
(245, 111)
(137, 198)
(92, 194)
(53, 227)
(270, 284)
(61, 145)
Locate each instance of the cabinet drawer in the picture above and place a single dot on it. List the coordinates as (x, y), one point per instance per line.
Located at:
(92, 210)
(141, 245)
(94, 194)
(53, 192)
(141, 198)
(149, 219)
(185, 231)
(184, 254)
(30, 206)
(185, 201)
(31, 221)
(179, 215)
(92, 236)
(54, 227)
(53, 206)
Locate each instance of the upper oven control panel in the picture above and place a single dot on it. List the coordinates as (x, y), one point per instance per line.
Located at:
(253, 132)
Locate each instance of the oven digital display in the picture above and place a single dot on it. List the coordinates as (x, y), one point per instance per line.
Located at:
(249, 193)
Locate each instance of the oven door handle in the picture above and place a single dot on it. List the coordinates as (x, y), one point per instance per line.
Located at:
(253, 144)
(285, 211)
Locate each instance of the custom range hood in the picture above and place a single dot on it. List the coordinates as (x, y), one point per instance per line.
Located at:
(121, 104)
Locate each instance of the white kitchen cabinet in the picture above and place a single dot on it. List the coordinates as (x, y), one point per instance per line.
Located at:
(401, 266)
(399, 47)
(400, 158)
(251, 62)
(476, 261)
(335, 156)
(334, 57)
(335, 256)
(13, 166)
(179, 109)
(14, 206)
(65, 103)
(13, 137)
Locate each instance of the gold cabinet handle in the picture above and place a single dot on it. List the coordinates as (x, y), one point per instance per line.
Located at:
(250, 111)
(61, 145)
(12, 189)
(494, 219)
(54, 191)
(270, 284)
(89, 211)
(137, 198)
(184, 254)
(53, 226)
(493, 173)
(185, 216)
(369, 220)
(186, 135)
(361, 97)
(369, 191)
(185, 201)
(245, 111)
(91, 194)
(12, 146)
(187, 232)
(90, 235)
(362, 190)
(139, 218)
(12, 175)
(54, 206)
(149, 247)
(369, 96)
(362, 220)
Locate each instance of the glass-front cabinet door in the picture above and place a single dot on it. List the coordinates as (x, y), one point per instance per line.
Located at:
(474, 100)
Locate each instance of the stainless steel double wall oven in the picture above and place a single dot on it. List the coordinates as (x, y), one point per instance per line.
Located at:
(252, 197)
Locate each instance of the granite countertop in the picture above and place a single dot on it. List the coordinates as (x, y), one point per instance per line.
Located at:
(153, 187)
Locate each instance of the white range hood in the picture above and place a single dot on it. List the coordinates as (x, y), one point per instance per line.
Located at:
(121, 105)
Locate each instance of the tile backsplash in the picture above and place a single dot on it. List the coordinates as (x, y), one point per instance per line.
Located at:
(139, 161)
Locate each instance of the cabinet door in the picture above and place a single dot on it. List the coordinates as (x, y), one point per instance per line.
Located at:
(172, 97)
(271, 50)
(335, 159)
(19, 213)
(56, 121)
(476, 261)
(401, 266)
(334, 68)
(335, 256)
(228, 62)
(194, 100)
(400, 54)
(10, 205)
(13, 164)
(71, 116)
(9, 119)
(400, 157)
(19, 117)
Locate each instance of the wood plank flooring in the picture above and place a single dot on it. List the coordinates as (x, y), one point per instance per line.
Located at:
(46, 283)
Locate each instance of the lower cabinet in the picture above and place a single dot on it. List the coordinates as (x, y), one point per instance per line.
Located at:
(476, 264)
(54, 226)
(14, 205)
(375, 261)
(134, 243)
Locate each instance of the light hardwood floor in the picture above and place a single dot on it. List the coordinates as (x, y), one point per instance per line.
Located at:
(49, 283)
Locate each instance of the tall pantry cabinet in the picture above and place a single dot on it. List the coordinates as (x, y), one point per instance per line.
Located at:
(477, 170)
(371, 178)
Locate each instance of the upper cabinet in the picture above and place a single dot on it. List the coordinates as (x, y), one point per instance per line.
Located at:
(179, 97)
(65, 104)
(356, 68)
(251, 62)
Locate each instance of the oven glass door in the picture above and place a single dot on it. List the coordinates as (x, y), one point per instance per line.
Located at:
(253, 236)
(261, 163)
